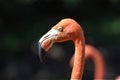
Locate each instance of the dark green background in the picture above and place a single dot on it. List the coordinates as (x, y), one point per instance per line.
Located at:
(23, 22)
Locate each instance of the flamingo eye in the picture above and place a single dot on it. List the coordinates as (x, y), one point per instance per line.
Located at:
(60, 29)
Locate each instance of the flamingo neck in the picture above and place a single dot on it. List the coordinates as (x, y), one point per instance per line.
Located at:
(78, 65)
(99, 66)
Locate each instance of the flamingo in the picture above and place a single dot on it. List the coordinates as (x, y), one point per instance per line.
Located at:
(67, 29)
(98, 60)
(118, 78)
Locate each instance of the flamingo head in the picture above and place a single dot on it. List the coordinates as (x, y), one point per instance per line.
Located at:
(66, 29)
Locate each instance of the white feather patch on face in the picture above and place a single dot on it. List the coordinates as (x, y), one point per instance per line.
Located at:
(51, 34)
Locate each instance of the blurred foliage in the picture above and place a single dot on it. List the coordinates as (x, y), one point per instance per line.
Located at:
(23, 22)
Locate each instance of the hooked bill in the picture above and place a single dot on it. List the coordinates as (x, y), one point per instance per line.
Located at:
(42, 53)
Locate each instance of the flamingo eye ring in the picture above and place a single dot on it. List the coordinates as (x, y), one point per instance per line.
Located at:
(60, 28)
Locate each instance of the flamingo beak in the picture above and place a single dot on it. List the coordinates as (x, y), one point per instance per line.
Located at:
(42, 53)
(46, 42)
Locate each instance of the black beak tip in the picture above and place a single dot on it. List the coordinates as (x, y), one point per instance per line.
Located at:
(42, 53)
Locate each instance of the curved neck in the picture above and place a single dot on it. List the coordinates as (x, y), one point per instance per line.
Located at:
(97, 58)
(99, 64)
(78, 65)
